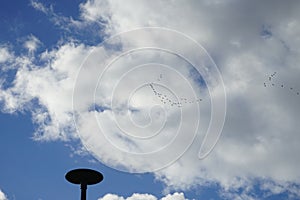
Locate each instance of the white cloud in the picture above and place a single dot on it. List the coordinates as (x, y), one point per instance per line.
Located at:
(175, 196)
(256, 133)
(39, 6)
(52, 86)
(64, 23)
(2, 196)
(5, 54)
(31, 44)
(95, 10)
(77, 25)
(248, 41)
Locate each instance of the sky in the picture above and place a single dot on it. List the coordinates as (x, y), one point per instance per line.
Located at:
(169, 100)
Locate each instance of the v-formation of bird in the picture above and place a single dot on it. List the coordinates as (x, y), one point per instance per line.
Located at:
(165, 99)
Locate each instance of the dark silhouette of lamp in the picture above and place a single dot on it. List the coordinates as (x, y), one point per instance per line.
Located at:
(84, 177)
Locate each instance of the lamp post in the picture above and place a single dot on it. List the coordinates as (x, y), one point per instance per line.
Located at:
(84, 177)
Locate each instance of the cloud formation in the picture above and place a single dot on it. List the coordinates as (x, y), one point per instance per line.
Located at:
(31, 44)
(5, 54)
(249, 41)
(2, 196)
(35, 86)
(83, 26)
(175, 196)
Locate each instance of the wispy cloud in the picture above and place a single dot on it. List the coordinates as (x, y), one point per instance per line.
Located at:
(64, 23)
(5, 54)
(40, 7)
(68, 23)
(31, 44)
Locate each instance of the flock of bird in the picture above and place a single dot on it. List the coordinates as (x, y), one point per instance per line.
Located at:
(273, 84)
(165, 99)
(169, 101)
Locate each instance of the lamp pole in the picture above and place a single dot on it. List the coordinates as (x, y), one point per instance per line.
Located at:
(83, 188)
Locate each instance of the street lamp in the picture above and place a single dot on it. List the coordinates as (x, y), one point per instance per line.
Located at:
(84, 177)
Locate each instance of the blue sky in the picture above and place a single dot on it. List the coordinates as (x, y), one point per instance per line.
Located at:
(52, 71)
